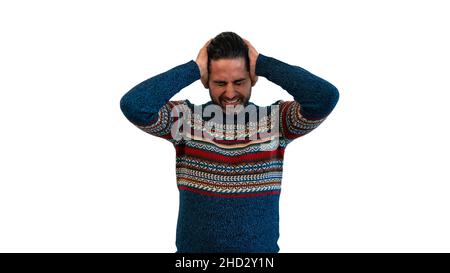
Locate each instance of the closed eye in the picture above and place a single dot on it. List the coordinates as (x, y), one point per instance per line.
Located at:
(239, 82)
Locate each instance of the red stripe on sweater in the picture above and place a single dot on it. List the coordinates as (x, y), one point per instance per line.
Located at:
(275, 154)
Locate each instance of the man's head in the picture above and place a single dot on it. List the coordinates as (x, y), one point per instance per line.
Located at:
(229, 70)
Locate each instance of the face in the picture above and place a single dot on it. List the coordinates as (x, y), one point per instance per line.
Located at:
(229, 83)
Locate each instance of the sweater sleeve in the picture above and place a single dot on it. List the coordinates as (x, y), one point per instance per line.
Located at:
(314, 97)
(147, 104)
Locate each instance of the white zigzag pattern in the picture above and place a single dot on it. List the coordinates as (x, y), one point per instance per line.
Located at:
(221, 190)
(209, 147)
(227, 168)
(213, 178)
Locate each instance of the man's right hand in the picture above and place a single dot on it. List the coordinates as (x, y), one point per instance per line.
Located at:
(202, 62)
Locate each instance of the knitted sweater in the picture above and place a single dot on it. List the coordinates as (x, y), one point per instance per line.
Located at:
(229, 187)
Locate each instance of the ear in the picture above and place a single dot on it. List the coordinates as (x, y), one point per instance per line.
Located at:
(254, 81)
(205, 81)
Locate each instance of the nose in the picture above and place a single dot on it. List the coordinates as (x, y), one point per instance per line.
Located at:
(230, 94)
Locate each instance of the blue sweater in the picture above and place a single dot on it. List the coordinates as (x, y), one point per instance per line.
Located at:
(229, 189)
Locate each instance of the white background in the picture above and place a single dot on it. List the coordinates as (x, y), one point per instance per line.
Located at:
(76, 176)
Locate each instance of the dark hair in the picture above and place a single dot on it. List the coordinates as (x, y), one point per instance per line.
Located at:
(227, 45)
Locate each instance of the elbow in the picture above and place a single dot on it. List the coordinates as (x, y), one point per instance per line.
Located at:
(331, 99)
(125, 106)
(322, 104)
(135, 111)
(129, 107)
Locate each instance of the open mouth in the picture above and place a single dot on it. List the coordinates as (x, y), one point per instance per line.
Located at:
(231, 102)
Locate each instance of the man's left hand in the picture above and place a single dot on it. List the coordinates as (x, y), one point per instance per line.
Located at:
(253, 56)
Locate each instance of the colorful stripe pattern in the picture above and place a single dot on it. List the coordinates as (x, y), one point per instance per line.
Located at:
(229, 167)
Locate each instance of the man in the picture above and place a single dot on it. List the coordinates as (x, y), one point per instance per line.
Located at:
(229, 173)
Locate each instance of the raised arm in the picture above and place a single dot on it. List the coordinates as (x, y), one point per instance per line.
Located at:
(316, 96)
(148, 105)
(143, 102)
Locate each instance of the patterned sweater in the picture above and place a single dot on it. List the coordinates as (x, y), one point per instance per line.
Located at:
(229, 186)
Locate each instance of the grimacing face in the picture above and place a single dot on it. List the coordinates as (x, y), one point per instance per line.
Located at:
(229, 83)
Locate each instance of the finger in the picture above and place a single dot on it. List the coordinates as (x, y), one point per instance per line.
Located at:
(207, 43)
(248, 43)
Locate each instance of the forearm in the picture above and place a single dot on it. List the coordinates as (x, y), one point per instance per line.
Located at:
(316, 96)
(142, 102)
